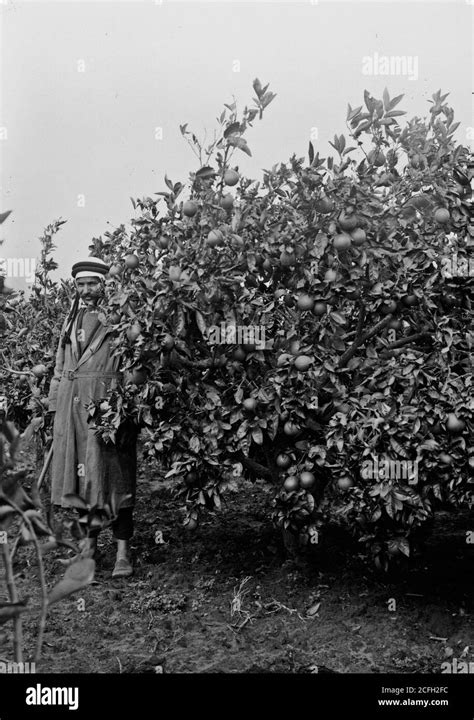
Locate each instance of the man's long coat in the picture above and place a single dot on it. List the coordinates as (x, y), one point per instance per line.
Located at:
(82, 463)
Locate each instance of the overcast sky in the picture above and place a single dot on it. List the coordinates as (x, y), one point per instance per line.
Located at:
(151, 65)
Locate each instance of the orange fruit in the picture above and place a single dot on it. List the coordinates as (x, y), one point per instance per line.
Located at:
(377, 158)
(388, 308)
(442, 216)
(307, 480)
(190, 208)
(231, 177)
(454, 424)
(214, 238)
(190, 478)
(39, 371)
(133, 332)
(291, 483)
(239, 354)
(291, 429)
(174, 272)
(305, 302)
(138, 377)
(168, 342)
(287, 259)
(283, 359)
(344, 483)
(303, 362)
(320, 308)
(283, 461)
(358, 236)
(131, 262)
(190, 524)
(227, 202)
(347, 221)
(342, 241)
(324, 205)
(250, 404)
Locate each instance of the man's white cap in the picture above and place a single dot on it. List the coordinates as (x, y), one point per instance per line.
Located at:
(91, 267)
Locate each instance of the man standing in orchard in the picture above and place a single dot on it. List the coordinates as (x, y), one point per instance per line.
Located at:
(85, 369)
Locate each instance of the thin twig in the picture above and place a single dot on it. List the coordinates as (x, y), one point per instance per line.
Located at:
(407, 340)
(44, 589)
(13, 595)
(15, 372)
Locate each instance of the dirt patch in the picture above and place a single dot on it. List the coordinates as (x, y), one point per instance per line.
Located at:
(226, 598)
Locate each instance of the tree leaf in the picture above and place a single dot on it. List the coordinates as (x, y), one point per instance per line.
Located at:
(240, 143)
(6, 510)
(201, 323)
(394, 101)
(267, 99)
(404, 547)
(338, 318)
(77, 576)
(232, 128)
(205, 173)
(257, 86)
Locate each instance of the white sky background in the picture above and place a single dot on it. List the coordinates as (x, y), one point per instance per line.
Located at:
(151, 65)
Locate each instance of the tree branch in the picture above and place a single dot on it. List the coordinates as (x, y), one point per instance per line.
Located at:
(407, 340)
(202, 364)
(350, 352)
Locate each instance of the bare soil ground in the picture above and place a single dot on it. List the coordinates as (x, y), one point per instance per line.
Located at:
(226, 598)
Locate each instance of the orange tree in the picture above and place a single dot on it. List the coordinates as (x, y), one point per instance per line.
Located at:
(29, 334)
(362, 343)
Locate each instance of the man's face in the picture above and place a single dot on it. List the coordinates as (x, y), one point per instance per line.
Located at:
(90, 289)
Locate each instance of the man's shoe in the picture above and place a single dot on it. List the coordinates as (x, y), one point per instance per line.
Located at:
(123, 568)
